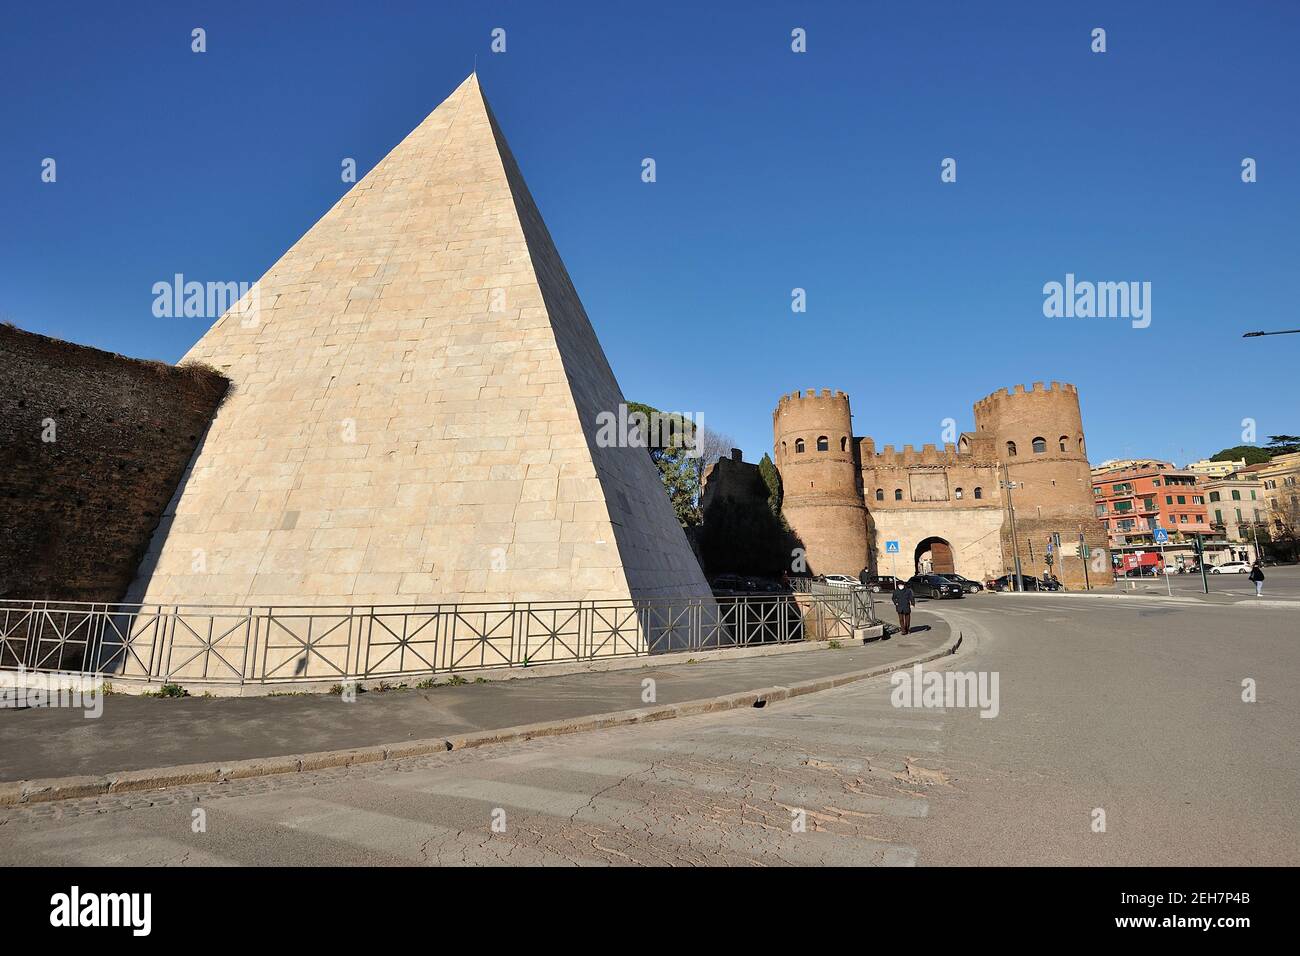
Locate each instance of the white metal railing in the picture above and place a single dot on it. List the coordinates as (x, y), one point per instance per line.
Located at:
(268, 645)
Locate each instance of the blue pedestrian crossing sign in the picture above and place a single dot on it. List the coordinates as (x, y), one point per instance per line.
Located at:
(1161, 535)
(891, 547)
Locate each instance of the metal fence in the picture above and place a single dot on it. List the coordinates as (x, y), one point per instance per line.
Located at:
(271, 645)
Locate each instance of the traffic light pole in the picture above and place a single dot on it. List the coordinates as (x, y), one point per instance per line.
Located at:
(1200, 559)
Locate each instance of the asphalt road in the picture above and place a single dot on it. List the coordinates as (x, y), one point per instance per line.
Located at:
(1127, 705)
(1279, 582)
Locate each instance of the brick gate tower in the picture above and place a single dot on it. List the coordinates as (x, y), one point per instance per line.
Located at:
(822, 492)
(1037, 434)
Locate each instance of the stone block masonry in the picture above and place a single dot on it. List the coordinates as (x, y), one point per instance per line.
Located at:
(415, 410)
(92, 447)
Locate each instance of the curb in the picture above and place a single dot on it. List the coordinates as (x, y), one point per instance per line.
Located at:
(20, 792)
(1230, 600)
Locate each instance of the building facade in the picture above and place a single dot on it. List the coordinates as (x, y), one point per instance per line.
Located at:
(1238, 511)
(1130, 503)
(1216, 469)
(949, 509)
(1281, 491)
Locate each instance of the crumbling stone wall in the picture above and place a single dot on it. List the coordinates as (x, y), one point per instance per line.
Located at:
(92, 446)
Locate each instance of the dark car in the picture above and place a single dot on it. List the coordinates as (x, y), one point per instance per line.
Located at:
(1004, 583)
(730, 584)
(935, 586)
(969, 586)
(883, 582)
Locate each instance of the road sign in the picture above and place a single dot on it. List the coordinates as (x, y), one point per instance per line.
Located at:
(891, 547)
(1161, 535)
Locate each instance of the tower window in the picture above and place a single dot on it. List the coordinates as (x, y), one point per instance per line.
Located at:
(979, 492)
(1040, 446)
(880, 494)
(844, 443)
(958, 494)
(1064, 442)
(798, 446)
(898, 494)
(1011, 449)
(823, 443)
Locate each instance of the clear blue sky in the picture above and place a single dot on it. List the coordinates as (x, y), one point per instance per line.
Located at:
(775, 170)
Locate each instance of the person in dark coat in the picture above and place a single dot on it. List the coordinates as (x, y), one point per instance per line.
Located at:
(1257, 575)
(904, 600)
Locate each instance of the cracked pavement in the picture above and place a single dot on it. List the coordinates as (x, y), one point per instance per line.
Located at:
(1102, 704)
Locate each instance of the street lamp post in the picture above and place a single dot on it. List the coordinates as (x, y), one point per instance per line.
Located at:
(1015, 542)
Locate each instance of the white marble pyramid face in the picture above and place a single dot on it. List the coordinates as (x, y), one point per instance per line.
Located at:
(414, 411)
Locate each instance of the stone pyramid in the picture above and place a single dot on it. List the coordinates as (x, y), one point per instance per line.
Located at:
(414, 411)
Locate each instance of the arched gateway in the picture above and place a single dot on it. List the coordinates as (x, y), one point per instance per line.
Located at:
(934, 556)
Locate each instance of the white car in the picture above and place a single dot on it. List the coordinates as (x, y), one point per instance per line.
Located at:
(841, 580)
(1231, 567)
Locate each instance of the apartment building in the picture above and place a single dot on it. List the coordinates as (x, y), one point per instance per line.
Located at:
(1131, 502)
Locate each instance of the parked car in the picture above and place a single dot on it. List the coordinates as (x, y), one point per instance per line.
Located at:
(883, 582)
(840, 580)
(1004, 583)
(969, 586)
(1231, 567)
(935, 586)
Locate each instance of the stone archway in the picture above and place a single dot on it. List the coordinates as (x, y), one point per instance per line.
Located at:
(934, 556)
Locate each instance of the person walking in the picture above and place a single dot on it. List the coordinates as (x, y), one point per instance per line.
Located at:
(904, 599)
(1257, 575)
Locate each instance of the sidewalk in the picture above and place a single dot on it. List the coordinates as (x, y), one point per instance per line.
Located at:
(135, 733)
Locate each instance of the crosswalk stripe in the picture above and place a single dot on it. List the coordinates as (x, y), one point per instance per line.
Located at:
(865, 741)
(583, 809)
(921, 726)
(725, 783)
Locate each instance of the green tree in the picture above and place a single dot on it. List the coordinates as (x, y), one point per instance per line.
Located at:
(1283, 444)
(1253, 454)
(771, 478)
(679, 472)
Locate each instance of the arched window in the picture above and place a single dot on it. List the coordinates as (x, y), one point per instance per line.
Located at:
(880, 494)
(1011, 449)
(798, 446)
(958, 495)
(1040, 445)
(784, 449)
(823, 443)
(844, 443)
(979, 492)
(898, 494)
(1065, 439)
(1081, 451)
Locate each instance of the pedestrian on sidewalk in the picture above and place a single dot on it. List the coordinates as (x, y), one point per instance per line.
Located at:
(904, 599)
(1257, 575)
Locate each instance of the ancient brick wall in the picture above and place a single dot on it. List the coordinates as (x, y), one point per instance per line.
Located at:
(92, 446)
